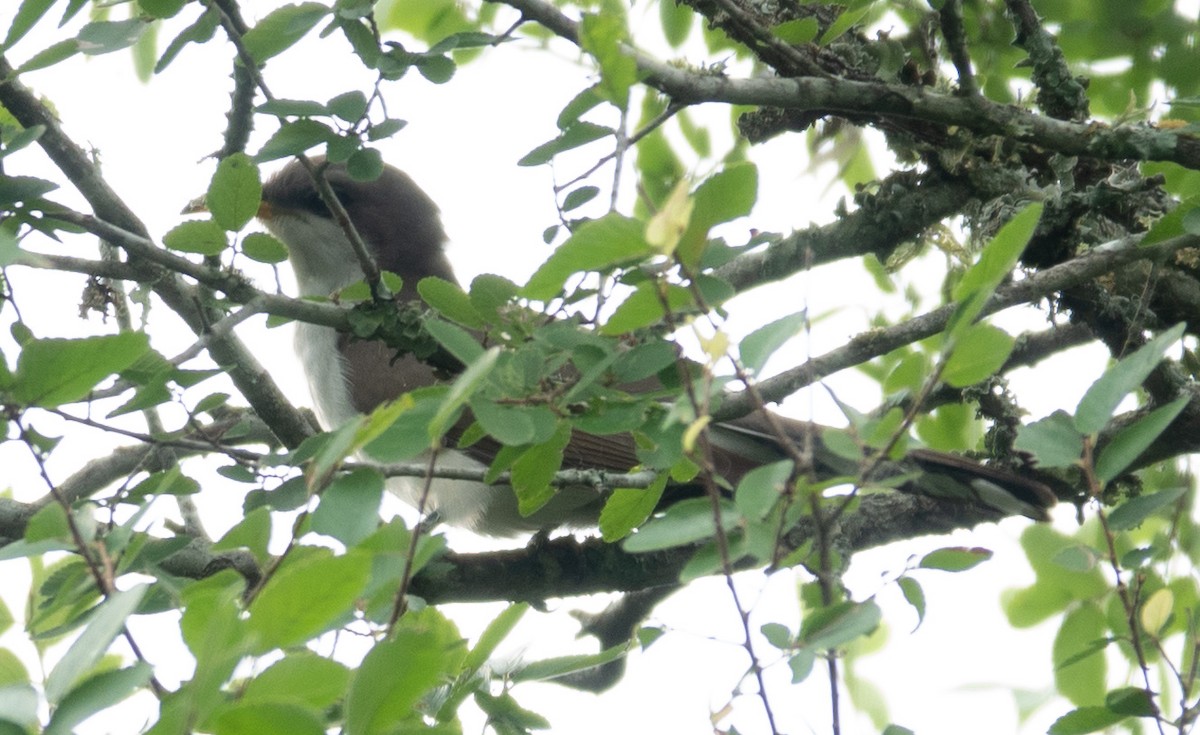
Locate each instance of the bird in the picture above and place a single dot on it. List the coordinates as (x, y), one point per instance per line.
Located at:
(401, 227)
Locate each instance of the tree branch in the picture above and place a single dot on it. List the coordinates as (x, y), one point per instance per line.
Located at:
(851, 97)
(868, 345)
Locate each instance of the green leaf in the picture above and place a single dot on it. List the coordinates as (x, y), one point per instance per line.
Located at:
(293, 108)
(294, 138)
(19, 703)
(457, 341)
(915, 595)
(105, 625)
(203, 237)
(602, 35)
(627, 508)
(50, 56)
(252, 532)
(676, 20)
(15, 189)
(491, 295)
(436, 68)
(6, 621)
(406, 437)
(533, 471)
(578, 134)
(1132, 512)
(26, 18)
(686, 522)
(579, 105)
(365, 164)
(1056, 588)
(505, 715)
(96, 693)
(1101, 399)
(464, 386)
(305, 597)
(797, 32)
(838, 624)
(1170, 224)
(995, 263)
(578, 197)
(1077, 558)
(493, 635)
(977, 354)
(1131, 701)
(596, 246)
(12, 670)
(200, 31)
(1131, 441)
(758, 346)
(506, 424)
(1083, 681)
(723, 197)
(161, 8)
(851, 15)
(349, 509)
(349, 106)
(553, 668)
(955, 559)
(450, 300)
(385, 129)
(300, 677)
(644, 307)
(282, 28)
(397, 673)
(264, 248)
(51, 372)
(1053, 441)
(761, 488)
(104, 36)
(235, 192)
(267, 718)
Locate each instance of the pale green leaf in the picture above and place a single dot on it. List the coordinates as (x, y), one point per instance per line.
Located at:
(978, 353)
(598, 245)
(1053, 441)
(1101, 399)
(349, 509)
(235, 192)
(1082, 682)
(955, 559)
(758, 346)
(995, 263)
(306, 597)
(51, 372)
(628, 508)
(1131, 441)
(203, 237)
(1132, 512)
(105, 625)
(470, 380)
(686, 522)
(282, 28)
(838, 624)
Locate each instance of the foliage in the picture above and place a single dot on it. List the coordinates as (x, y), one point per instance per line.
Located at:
(1036, 173)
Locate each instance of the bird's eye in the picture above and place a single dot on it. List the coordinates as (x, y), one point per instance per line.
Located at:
(310, 201)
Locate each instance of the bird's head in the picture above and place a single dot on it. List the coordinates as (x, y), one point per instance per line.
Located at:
(398, 222)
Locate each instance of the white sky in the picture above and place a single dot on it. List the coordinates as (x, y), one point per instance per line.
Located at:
(461, 145)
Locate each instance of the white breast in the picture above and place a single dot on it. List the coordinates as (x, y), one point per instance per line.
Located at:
(322, 269)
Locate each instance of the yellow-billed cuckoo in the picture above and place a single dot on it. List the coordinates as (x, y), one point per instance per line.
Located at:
(400, 225)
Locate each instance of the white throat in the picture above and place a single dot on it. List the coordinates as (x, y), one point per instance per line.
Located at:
(321, 255)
